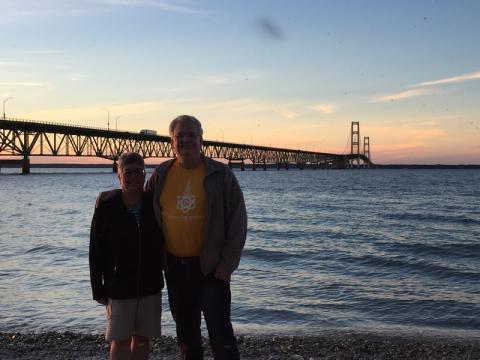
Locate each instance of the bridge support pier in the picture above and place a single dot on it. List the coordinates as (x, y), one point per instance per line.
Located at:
(26, 166)
(242, 166)
(115, 166)
(26, 160)
(254, 167)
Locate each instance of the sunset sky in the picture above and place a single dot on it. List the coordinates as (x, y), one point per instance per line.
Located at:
(278, 73)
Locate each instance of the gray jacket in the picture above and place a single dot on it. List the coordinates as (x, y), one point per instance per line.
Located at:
(225, 229)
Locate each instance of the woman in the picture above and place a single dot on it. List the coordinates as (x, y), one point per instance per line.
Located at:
(125, 256)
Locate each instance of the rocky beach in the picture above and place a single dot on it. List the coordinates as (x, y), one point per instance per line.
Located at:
(68, 345)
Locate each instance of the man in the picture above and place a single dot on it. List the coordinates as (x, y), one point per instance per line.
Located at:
(126, 246)
(201, 209)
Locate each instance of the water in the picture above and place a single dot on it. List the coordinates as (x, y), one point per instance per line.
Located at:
(370, 250)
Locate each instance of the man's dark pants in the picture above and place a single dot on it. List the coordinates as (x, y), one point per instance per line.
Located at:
(189, 294)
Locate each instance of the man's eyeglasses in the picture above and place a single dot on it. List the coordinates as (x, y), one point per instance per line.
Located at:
(188, 135)
(130, 172)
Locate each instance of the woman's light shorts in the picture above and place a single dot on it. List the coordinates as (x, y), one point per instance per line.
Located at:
(129, 317)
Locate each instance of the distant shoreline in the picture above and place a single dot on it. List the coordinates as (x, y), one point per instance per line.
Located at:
(420, 166)
(248, 166)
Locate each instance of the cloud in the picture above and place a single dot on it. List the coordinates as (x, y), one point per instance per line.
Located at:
(288, 114)
(426, 88)
(14, 63)
(324, 108)
(25, 9)
(12, 10)
(168, 6)
(423, 135)
(240, 105)
(42, 52)
(76, 77)
(22, 83)
(402, 95)
(406, 140)
(95, 113)
(451, 80)
(222, 79)
(216, 79)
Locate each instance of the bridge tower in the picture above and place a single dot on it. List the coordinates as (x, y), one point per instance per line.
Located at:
(366, 147)
(355, 143)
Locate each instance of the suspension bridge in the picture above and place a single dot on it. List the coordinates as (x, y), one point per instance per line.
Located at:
(22, 139)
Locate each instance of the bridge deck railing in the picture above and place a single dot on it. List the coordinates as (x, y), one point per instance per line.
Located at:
(60, 124)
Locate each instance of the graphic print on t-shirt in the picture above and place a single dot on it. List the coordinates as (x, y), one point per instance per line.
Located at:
(186, 202)
(183, 208)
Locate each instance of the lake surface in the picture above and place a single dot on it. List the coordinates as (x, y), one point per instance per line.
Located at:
(361, 250)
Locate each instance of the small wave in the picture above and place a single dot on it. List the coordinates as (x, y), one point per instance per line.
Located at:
(271, 315)
(281, 232)
(268, 255)
(71, 212)
(52, 250)
(432, 218)
(412, 265)
(458, 249)
(40, 249)
(447, 314)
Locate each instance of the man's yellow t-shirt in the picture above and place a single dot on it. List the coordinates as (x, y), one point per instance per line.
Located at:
(183, 210)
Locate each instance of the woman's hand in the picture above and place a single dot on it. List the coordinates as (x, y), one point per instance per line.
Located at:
(103, 301)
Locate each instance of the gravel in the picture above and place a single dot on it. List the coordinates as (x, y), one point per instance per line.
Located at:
(55, 345)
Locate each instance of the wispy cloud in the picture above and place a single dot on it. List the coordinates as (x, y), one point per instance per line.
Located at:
(451, 80)
(11, 63)
(26, 9)
(222, 79)
(94, 112)
(426, 87)
(288, 114)
(28, 58)
(423, 135)
(76, 77)
(41, 52)
(217, 79)
(324, 108)
(169, 6)
(402, 95)
(22, 83)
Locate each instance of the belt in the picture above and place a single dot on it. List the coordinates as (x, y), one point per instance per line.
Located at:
(183, 259)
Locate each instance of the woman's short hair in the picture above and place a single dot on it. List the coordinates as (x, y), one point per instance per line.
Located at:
(190, 118)
(129, 158)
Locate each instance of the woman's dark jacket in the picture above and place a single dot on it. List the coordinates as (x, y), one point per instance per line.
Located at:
(125, 258)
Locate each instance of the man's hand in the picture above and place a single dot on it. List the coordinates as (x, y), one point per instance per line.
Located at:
(222, 274)
(103, 301)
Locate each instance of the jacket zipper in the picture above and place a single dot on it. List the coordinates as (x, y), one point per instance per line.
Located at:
(139, 271)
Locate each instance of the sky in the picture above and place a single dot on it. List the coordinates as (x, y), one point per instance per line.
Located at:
(280, 73)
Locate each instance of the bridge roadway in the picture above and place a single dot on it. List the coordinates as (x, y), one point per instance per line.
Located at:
(25, 138)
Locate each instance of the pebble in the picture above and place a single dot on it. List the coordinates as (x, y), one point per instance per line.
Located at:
(54, 345)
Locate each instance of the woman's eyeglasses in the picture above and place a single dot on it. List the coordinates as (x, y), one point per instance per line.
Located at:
(130, 172)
